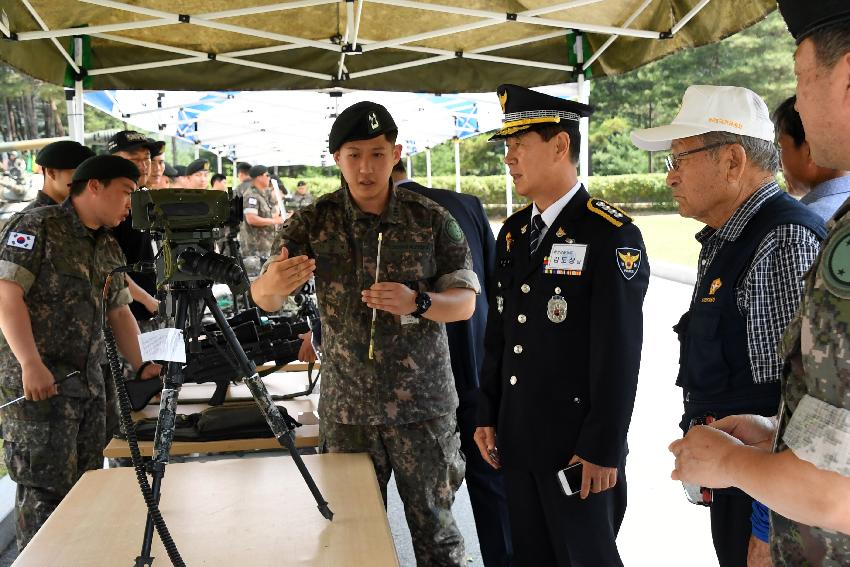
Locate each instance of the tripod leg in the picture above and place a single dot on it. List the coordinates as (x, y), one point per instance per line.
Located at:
(164, 431)
(270, 411)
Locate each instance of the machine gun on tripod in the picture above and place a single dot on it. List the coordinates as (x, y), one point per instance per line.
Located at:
(264, 339)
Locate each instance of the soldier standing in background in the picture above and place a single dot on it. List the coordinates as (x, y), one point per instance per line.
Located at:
(58, 162)
(261, 215)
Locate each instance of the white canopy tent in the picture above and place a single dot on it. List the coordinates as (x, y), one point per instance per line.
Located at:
(291, 127)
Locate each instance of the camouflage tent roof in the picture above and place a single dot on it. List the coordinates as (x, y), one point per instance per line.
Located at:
(398, 45)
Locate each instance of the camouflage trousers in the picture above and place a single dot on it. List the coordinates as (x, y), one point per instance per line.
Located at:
(428, 466)
(47, 447)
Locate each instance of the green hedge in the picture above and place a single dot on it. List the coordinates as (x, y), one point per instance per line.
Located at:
(638, 191)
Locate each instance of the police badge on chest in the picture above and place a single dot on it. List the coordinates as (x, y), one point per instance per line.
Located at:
(556, 309)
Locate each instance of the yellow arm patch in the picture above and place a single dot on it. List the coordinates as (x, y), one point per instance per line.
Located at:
(608, 212)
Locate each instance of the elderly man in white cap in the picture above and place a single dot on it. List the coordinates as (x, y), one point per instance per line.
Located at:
(756, 246)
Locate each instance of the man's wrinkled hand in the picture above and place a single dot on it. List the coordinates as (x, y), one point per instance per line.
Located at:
(595, 478)
(755, 430)
(701, 456)
(38, 381)
(392, 297)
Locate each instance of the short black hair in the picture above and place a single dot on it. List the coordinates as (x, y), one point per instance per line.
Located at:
(831, 43)
(399, 166)
(243, 167)
(77, 187)
(787, 121)
(548, 131)
(217, 177)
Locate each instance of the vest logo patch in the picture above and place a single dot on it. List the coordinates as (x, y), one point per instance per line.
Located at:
(715, 285)
(628, 260)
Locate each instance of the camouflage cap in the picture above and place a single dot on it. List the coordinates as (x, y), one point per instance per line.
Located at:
(361, 121)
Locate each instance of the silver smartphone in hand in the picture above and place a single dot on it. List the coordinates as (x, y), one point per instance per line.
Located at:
(570, 478)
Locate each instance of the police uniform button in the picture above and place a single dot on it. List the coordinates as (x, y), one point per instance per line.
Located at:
(521, 318)
(577, 400)
(518, 349)
(557, 290)
(525, 288)
(499, 284)
(513, 380)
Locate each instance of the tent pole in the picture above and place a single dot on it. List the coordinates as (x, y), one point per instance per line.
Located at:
(428, 166)
(584, 123)
(79, 132)
(509, 197)
(409, 167)
(197, 151)
(456, 141)
(218, 164)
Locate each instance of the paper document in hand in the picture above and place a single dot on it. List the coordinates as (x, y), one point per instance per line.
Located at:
(163, 344)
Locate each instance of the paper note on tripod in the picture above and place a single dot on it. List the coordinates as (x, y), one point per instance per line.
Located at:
(163, 344)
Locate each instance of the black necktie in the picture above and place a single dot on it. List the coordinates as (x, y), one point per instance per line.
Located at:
(537, 225)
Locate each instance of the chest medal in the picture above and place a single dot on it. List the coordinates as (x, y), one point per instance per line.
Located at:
(556, 309)
(500, 303)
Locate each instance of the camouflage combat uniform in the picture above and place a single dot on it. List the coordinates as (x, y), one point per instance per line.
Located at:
(399, 407)
(815, 413)
(61, 266)
(300, 201)
(42, 199)
(258, 239)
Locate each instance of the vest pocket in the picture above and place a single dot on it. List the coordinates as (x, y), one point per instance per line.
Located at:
(705, 369)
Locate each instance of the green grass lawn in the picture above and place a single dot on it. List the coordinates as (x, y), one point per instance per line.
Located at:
(670, 238)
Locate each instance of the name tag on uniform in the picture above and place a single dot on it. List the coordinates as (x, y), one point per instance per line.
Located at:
(565, 259)
(409, 320)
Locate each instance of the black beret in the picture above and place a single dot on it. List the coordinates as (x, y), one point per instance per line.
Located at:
(361, 121)
(180, 170)
(156, 146)
(197, 165)
(526, 109)
(128, 140)
(806, 17)
(169, 171)
(106, 167)
(64, 154)
(257, 171)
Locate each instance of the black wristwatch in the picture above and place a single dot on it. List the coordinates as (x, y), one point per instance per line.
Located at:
(423, 304)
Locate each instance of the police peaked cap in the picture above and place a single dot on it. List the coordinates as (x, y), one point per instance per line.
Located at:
(197, 165)
(106, 167)
(361, 121)
(64, 154)
(526, 109)
(169, 171)
(805, 18)
(257, 171)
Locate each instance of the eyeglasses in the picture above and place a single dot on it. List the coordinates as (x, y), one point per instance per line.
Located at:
(672, 161)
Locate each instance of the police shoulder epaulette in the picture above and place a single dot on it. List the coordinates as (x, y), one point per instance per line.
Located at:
(516, 213)
(608, 212)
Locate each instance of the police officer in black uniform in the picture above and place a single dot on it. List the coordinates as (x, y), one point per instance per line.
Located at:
(563, 343)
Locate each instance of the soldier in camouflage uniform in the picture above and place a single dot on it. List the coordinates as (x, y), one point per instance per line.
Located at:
(393, 397)
(53, 267)
(261, 214)
(58, 162)
(805, 480)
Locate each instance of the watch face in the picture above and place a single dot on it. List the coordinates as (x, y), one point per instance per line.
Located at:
(423, 303)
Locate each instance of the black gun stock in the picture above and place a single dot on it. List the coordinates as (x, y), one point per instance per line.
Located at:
(275, 339)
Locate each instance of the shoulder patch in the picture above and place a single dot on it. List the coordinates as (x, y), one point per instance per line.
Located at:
(252, 201)
(608, 212)
(516, 213)
(21, 240)
(453, 230)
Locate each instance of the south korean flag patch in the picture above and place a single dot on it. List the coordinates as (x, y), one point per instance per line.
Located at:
(628, 260)
(20, 240)
(252, 201)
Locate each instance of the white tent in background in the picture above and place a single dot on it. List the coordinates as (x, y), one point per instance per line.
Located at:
(291, 127)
